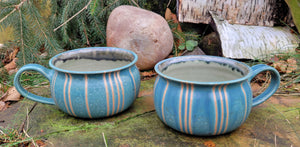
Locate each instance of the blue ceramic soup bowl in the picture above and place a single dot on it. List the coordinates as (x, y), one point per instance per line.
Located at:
(209, 107)
(88, 94)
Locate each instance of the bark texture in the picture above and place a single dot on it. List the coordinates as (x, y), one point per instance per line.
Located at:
(246, 12)
(252, 42)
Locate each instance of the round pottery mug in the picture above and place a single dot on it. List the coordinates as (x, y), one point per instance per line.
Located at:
(207, 95)
(89, 82)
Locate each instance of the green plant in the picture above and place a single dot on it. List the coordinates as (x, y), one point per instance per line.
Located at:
(11, 137)
(183, 40)
(51, 26)
(33, 79)
(188, 45)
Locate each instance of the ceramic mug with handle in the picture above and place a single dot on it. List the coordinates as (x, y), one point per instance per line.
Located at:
(207, 95)
(88, 82)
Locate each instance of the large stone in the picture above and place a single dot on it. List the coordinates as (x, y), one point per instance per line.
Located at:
(142, 31)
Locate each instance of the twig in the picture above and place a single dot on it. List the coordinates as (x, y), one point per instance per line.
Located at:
(33, 142)
(23, 124)
(21, 36)
(107, 7)
(104, 139)
(85, 33)
(265, 84)
(16, 8)
(27, 118)
(275, 141)
(85, 7)
(169, 3)
(135, 3)
(3, 96)
(99, 30)
(287, 94)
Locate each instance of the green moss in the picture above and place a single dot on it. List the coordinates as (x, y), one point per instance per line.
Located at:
(147, 84)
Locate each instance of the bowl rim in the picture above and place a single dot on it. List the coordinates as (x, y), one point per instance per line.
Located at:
(51, 64)
(203, 58)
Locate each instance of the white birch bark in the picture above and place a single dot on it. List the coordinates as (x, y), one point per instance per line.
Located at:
(253, 42)
(247, 12)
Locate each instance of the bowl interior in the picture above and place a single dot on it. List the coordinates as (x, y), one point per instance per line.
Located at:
(202, 69)
(102, 59)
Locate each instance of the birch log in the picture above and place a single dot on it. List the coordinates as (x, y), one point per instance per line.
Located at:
(246, 12)
(253, 42)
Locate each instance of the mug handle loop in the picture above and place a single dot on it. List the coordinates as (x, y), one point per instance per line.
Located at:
(273, 86)
(42, 70)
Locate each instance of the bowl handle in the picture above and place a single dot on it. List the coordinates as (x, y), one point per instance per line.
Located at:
(273, 86)
(42, 70)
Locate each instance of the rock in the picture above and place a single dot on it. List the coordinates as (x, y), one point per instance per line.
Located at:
(144, 32)
(196, 51)
(211, 44)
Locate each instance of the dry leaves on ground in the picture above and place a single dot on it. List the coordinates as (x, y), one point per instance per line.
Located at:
(10, 61)
(286, 66)
(148, 74)
(169, 16)
(290, 74)
(11, 95)
(8, 95)
(209, 143)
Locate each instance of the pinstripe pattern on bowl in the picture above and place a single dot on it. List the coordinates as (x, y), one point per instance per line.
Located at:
(208, 108)
(89, 94)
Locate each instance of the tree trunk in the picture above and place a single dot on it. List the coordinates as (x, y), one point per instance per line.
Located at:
(246, 12)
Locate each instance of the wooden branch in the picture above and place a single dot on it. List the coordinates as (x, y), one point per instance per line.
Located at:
(17, 7)
(85, 7)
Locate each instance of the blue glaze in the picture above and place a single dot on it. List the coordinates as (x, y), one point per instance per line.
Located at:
(208, 108)
(92, 94)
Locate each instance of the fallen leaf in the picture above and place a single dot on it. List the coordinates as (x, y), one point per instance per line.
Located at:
(40, 143)
(281, 66)
(168, 14)
(209, 143)
(274, 59)
(173, 17)
(10, 55)
(145, 93)
(148, 73)
(12, 95)
(12, 65)
(13, 71)
(13, 55)
(2, 105)
(292, 65)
